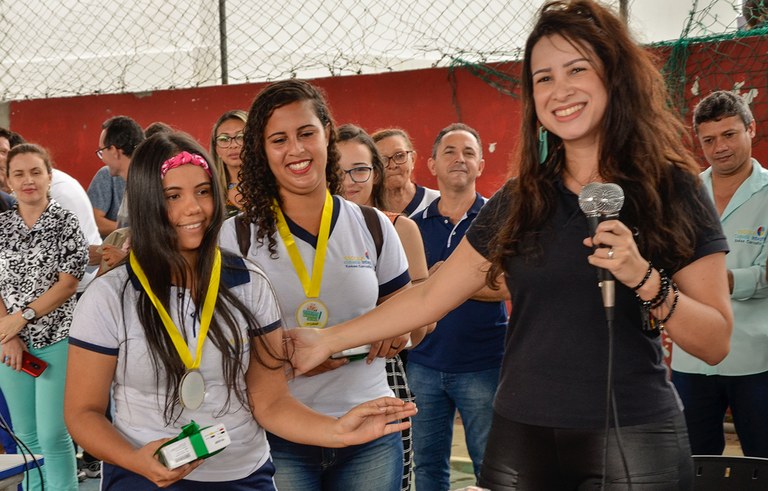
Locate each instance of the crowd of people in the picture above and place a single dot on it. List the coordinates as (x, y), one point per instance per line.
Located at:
(295, 283)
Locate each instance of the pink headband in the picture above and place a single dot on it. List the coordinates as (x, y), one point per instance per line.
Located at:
(182, 159)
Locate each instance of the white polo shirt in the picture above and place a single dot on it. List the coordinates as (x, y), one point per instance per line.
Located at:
(353, 281)
(106, 321)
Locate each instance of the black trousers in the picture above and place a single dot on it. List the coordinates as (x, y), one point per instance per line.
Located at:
(525, 457)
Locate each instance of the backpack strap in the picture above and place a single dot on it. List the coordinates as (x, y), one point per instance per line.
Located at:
(374, 227)
(243, 232)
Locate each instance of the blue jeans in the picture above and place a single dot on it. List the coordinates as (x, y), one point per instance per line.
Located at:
(438, 396)
(37, 409)
(373, 466)
(524, 457)
(706, 397)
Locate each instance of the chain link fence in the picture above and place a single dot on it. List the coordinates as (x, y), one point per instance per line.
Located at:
(57, 48)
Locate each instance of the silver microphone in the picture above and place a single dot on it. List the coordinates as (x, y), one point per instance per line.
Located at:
(601, 199)
(600, 202)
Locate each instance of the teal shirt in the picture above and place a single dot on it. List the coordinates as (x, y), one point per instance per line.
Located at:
(745, 225)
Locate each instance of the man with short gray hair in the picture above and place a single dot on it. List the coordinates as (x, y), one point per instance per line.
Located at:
(457, 366)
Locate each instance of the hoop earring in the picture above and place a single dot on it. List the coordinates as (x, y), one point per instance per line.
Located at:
(543, 145)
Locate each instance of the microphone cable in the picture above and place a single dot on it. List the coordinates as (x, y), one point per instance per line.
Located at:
(22, 447)
(611, 406)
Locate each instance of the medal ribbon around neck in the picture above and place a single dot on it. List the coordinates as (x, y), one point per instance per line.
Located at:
(205, 319)
(311, 285)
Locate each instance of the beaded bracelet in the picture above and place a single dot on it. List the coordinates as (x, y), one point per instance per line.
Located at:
(645, 278)
(663, 293)
(676, 291)
(649, 323)
(660, 296)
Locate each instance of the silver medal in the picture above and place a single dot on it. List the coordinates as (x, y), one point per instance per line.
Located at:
(192, 390)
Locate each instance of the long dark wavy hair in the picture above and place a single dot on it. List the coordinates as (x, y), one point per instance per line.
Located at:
(351, 132)
(644, 146)
(259, 188)
(155, 244)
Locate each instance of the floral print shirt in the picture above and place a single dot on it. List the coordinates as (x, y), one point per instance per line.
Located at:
(30, 262)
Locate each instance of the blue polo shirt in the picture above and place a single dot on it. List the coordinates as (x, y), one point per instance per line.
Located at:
(470, 338)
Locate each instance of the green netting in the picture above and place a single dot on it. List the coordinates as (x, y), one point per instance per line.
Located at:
(733, 61)
(716, 50)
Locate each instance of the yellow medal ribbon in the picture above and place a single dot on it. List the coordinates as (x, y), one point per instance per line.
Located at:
(311, 285)
(205, 320)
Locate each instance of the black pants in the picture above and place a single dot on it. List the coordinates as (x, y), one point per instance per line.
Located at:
(525, 457)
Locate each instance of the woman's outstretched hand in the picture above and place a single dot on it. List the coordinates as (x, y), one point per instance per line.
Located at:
(373, 419)
(306, 349)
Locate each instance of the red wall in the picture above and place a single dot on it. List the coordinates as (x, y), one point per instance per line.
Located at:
(422, 102)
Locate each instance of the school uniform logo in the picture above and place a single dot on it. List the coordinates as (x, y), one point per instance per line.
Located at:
(755, 236)
(363, 261)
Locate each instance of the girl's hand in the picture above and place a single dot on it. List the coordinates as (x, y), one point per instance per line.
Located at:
(11, 352)
(146, 464)
(387, 348)
(306, 349)
(373, 419)
(112, 255)
(616, 251)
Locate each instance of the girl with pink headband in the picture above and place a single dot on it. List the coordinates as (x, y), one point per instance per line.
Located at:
(183, 333)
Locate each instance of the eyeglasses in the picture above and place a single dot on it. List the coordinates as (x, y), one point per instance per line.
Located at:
(225, 141)
(100, 152)
(360, 174)
(397, 158)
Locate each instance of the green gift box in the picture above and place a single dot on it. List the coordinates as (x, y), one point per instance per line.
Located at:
(193, 443)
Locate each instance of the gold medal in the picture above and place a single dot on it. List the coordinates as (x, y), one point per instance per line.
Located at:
(312, 313)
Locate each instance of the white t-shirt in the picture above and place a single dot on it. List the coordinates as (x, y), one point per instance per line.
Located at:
(106, 321)
(71, 196)
(423, 198)
(351, 286)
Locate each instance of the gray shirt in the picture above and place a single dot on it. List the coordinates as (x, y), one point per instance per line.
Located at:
(106, 192)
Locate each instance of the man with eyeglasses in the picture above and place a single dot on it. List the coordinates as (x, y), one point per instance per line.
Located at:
(119, 137)
(397, 153)
(457, 366)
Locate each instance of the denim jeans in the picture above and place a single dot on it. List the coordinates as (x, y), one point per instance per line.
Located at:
(373, 466)
(525, 457)
(438, 396)
(706, 397)
(37, 409)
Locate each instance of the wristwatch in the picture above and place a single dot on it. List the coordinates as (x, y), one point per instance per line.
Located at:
(29, 314)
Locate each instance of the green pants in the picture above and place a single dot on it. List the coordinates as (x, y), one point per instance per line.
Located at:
(37, 410)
